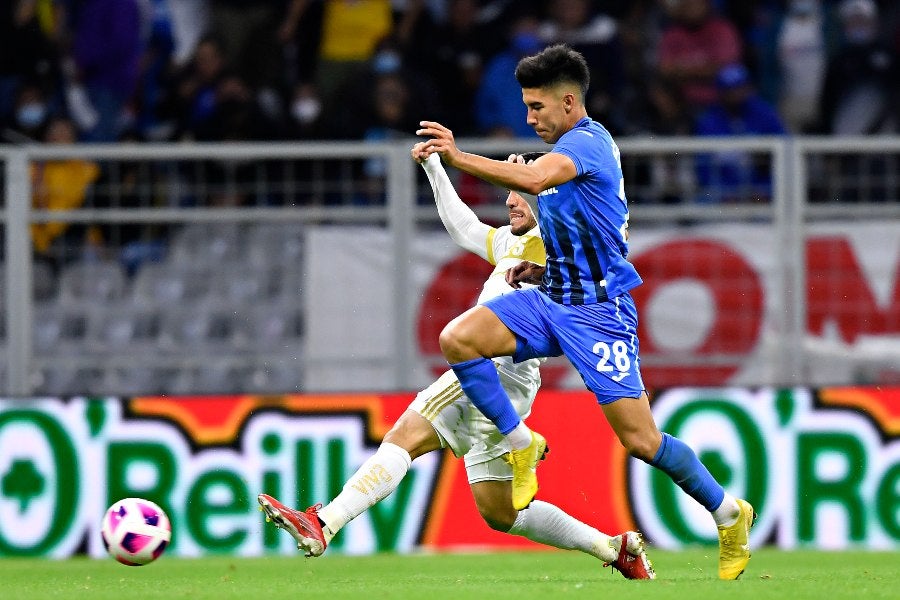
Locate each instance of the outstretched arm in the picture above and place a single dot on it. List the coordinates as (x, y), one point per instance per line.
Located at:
(461, 222)
(549, 170)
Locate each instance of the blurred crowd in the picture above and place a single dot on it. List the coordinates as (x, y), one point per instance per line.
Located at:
(238, 70)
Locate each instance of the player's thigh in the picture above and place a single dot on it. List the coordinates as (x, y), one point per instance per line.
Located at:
(462, 427)
(600, 340)
(528, 315)
(447, 411)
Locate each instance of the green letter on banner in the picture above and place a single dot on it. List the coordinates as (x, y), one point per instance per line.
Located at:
(65, 459)
(811, 490)
(665, 491)
(201, 509)
(887, 502)
(123, 455)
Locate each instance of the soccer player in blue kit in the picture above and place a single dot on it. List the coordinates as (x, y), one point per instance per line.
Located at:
(582, 307)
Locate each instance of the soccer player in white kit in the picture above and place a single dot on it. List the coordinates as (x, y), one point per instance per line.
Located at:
(441, 416)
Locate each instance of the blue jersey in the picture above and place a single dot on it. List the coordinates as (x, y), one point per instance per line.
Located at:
(584, 222)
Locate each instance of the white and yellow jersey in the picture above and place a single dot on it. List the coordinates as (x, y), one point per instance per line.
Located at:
(505, 250)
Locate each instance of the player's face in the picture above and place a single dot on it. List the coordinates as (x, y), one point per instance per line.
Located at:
(547, 112)
(521, 219)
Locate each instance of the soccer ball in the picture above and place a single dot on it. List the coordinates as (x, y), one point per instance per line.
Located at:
(135, 531)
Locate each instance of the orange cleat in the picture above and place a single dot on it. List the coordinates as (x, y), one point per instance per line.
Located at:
(303, 526)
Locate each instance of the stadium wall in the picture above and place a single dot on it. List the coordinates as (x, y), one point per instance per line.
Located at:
(822, 467)
(713, 306)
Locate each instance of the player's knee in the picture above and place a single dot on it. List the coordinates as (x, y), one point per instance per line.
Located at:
(497, 519)
(640, 447)
(451, 340)
(414, 434)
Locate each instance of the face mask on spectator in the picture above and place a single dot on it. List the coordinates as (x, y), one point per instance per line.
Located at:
(31, 114)
(386, 61)
(306, 110)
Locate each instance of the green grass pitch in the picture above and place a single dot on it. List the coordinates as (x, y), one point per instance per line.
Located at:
(773, 574)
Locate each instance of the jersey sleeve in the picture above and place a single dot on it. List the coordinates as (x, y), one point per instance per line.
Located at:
(460, 221)
(589, 150)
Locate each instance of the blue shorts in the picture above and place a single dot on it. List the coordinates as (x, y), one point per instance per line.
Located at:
(600, 340)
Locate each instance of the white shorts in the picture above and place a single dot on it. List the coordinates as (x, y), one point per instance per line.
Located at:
(465, 430)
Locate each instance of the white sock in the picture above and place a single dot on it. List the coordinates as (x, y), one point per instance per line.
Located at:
(373, 481)
(520, 437)
(728, 512)
(548, 524)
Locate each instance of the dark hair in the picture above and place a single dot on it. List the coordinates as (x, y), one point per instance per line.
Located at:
(529, 156)
(555, 64)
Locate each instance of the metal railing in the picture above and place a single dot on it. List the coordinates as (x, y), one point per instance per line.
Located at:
(399, 209)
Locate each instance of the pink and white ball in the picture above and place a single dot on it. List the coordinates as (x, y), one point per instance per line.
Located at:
(135, 531)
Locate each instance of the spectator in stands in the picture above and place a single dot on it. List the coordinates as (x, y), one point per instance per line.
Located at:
(345, 34)
(107, 47)
(60, 185)
(190, 93)
(155, 65)
(596, 36)
(862, 83)
(305, 120)
(735, 175)
(694, 47)
(801, 57)
(413, 29)
(393, 99)
(457, 56)
(190, 21)
(661, 111)
(499, 109)
(640, 29)
(351, 31)
(739, 109)
(27, 52)
(30, 113)
(861, 96)
(248, 30)
(385, 78)
(668, 177)
(300, 34)
(235, 115)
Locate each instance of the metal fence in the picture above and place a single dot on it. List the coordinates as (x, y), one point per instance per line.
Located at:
(177, 269)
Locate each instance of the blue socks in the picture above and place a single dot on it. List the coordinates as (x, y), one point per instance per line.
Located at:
(481, 383)
(678, 461)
